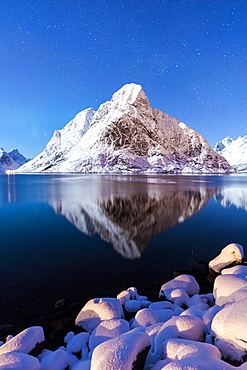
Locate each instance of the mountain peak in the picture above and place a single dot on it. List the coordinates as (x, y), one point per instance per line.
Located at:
(128, 92)
(127, 135)
(11, 160)
(234, 151)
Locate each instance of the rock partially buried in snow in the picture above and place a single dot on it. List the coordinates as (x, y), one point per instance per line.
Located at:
(97, 310)
(25, 341)
(231, 253)
(120, 353)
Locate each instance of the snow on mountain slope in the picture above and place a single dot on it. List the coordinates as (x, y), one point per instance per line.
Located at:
(127, 135)
(11, 160)
(235, 152)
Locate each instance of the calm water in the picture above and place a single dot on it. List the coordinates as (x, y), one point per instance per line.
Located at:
(69, 236)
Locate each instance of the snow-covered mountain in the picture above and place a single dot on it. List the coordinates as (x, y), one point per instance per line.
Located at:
(127, 134)
(235, 152)
(11, 160)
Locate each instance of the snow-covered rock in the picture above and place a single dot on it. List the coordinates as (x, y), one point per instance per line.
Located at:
(189, 355)
(231, 253)
(184, 327)
(97, 310)
(56, 360)
(19, 361)
(179, 289)
(106, 330)
(229, 288)
(25, 341)
(120, 352)
(235, 152)
(229, 328)
(11, 160)
(79, 343)
(127, 134)
(145, 317)
(162, 337)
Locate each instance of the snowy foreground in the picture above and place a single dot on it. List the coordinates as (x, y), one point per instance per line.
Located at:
(185, 331)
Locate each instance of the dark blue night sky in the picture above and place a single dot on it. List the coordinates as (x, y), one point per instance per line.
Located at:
(60, 57)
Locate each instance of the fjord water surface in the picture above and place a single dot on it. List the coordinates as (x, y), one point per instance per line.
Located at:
(74, 236)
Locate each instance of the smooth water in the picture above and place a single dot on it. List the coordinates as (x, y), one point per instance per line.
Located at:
(75, 236)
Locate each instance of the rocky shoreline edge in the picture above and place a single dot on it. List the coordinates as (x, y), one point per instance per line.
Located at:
(194, 319)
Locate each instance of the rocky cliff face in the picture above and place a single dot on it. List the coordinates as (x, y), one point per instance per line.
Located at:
(235, 152)
(11, 160)
(127, 135)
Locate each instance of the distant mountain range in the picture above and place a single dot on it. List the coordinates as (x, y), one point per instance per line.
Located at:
(235, 152)
(11, 160)
(127, 135)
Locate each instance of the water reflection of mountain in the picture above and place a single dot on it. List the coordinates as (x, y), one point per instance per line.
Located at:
(129, 219)
(235, 196)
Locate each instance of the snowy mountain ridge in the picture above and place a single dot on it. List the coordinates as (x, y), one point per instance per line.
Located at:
(11, 160)
(235, 152)
(127, 135)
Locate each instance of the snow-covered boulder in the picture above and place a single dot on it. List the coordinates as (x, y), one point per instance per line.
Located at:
(229, 328)
(79, 344)
(231, 253)
(133, 306)
(25, 341)
(239, 271)
(97, 310)
(19, 361)
(106, 330)
(189, 355)
(179, 288)
(161, 305)
(56, 360)
(184, 327)
(145, 317)
(229, 288)
(120, 352)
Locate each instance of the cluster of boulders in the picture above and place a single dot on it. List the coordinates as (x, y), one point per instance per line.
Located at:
(185, 330)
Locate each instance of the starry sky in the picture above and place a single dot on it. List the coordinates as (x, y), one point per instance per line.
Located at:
(60, 57)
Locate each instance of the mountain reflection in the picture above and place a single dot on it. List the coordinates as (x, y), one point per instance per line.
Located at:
(232, 196)
(127, 215)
